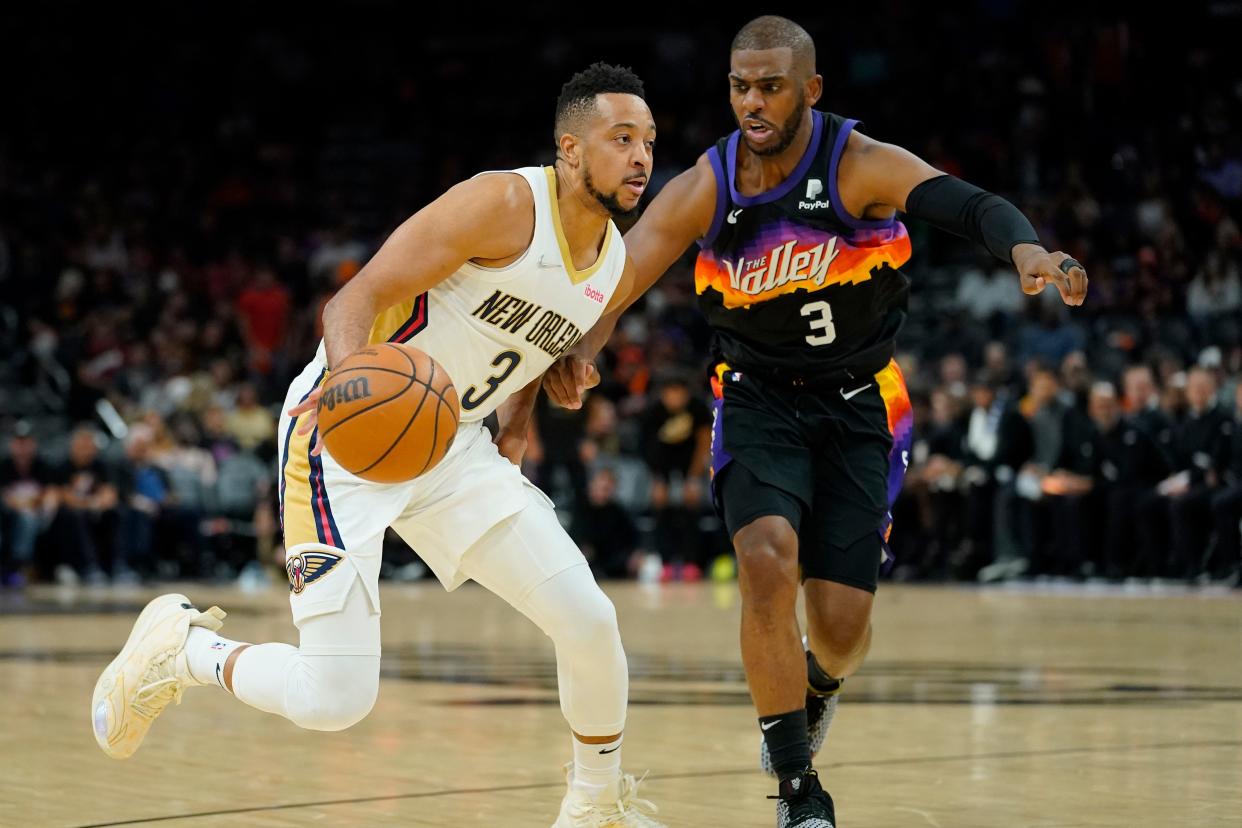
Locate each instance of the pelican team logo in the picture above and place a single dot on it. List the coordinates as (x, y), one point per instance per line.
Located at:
(307, 567)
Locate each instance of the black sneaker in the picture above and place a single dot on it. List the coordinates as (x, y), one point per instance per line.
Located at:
(803, 803)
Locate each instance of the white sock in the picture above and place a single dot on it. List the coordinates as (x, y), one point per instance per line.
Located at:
(596, 766)
(206, 653)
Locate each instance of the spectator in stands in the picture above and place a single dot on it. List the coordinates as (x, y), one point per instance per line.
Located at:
(84, 529)
(1142, 405)
(251, 424)
(1201, 447)
(1131, 465)
(264, 308)
(997, 443)
(28, 499)
(676, 438)
(1226, 557)
(1072, 490)
(604, 530)
(144, 491)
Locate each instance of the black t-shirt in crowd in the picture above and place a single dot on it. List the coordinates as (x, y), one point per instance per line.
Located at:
(28, 482)
(669, 437)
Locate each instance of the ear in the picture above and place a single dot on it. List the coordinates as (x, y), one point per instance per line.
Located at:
(570, 149)
(814, 89)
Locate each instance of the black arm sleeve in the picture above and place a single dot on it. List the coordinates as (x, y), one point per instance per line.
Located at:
(967, 211)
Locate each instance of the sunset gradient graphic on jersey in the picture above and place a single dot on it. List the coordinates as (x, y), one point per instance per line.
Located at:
(901, 426)
(783, 257)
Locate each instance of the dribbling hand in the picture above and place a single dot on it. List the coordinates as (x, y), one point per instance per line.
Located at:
(309, 406)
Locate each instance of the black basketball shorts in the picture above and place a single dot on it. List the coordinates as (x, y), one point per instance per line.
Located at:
(830, 460)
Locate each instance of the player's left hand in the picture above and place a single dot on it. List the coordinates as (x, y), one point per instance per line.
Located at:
(309, 406)
(512, 446)
(1037, 268)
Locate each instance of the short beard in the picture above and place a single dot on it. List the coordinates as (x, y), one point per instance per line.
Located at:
(788, 132)
(608, 202)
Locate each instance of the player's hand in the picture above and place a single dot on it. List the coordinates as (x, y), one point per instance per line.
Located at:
(512, 446)
(309, 407)
(567, 380)
(1037, 268)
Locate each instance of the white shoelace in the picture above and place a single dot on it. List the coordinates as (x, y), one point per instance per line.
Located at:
(629, 810)
(159, 688)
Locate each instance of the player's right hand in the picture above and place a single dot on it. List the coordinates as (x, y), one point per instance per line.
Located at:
(309, 407)
(1038, 268)
(567, 380)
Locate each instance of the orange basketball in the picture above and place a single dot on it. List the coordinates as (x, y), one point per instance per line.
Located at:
(388, 413)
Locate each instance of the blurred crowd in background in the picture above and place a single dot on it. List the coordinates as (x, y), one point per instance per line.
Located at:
(175, 217)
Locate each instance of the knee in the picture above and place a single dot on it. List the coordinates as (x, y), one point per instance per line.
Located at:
(842, 633)
(839, 616)
(767, 558)
(591, 625)
(333, 692)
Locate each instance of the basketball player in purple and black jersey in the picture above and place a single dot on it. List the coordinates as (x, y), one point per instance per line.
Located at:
(796, 217)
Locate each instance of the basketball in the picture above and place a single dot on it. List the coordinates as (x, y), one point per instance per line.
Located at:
(388, 413)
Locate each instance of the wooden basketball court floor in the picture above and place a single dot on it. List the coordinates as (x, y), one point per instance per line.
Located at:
(978, 707)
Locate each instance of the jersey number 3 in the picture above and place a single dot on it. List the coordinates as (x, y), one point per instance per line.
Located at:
(820, 314)
(473, 398)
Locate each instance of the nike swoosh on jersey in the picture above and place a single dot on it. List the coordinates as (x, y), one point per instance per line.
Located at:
(855, 392)
(766, 726)
(732, 217)
(544, 263)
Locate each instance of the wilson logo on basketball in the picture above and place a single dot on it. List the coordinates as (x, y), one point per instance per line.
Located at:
(345, 392)
(594, 295)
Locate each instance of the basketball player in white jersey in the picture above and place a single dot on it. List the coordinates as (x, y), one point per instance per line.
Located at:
(495, 279)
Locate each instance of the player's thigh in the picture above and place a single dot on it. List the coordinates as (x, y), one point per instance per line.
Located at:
(859, 467)
(756, 426)
(471, 491)
(522, 552)
(842, 538)
(744, 498)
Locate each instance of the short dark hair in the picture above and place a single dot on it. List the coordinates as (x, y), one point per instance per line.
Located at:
(772, 32)
(577, 99)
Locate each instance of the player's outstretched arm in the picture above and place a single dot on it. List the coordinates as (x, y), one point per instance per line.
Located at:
(878, 178)
(489, 217)
(679, 215)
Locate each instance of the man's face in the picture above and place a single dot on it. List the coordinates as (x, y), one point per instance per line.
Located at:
(1044, 387)
(1104, 409)
(603, 487)
(675, 396)
(983, 396)
(83, 449)
(617, 151)
(1199, 389)
(1139, 387)
(23, 449)
(769, 98)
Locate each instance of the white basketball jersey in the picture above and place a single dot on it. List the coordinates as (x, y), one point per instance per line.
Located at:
(496, 329)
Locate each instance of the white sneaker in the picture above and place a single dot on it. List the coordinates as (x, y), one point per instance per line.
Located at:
(617, 807)
(150, 671)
